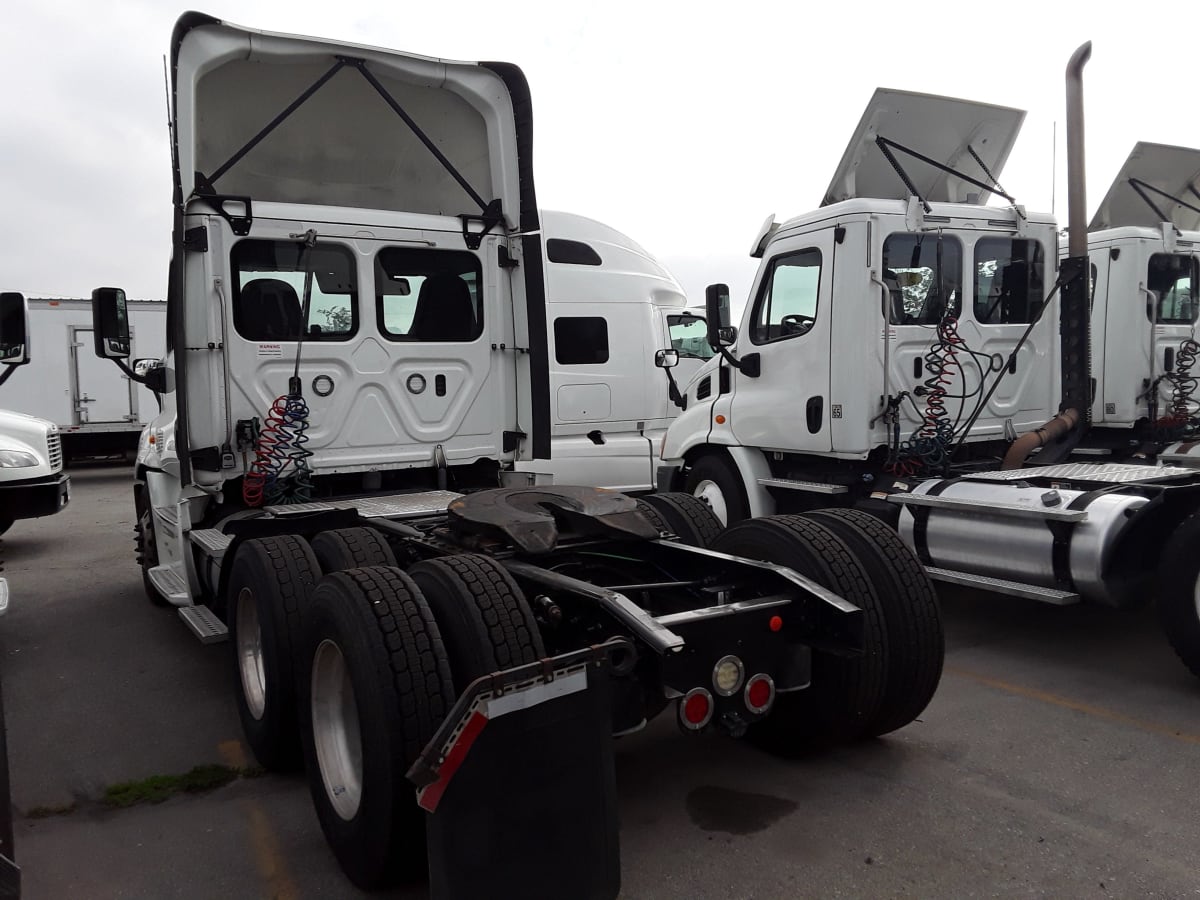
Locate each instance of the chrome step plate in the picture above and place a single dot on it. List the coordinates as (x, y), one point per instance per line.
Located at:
(169, 581)
(813, 487)
(420, 503)
(1001, 586)
(212, 540)
(1111, 473)
(204, 624)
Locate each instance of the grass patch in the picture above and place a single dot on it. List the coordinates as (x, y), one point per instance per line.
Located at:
(158, 788)
(45, 812)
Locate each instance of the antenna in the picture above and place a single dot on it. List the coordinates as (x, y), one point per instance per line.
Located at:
(1054, 168)
(167, 90)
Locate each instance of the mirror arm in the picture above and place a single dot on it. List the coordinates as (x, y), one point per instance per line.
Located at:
(673, 391)
(8, 370)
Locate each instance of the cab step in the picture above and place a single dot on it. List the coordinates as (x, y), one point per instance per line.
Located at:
(212, 541)
(1003, 586)
(204, 624)
(170, 582)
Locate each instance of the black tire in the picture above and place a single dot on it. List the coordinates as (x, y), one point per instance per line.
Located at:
(396, 665)
(714, 474)
(144, 543)
(652, 515)
(351, 548)
(1178, 606)
(277, 575)
(482, 614)
(912, 616)
(845, 695)
(689, 517)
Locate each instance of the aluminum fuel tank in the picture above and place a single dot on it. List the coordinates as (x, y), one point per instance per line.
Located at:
(983, 535)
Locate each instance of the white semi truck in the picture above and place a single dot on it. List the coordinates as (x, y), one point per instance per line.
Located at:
(1144, 259)
(899, 355)
(98, 409)
(357, 397)
(32, 481)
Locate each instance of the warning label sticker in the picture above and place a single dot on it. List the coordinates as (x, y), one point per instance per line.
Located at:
(270, 350)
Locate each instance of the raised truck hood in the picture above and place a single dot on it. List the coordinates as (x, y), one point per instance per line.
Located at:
(1155, 168)
(942, 128)
(343, 145)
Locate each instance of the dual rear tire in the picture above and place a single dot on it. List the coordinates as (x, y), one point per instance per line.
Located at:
(353, 673)
(895, 677)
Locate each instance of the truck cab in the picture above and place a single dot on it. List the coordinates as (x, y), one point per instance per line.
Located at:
(902, 317)
(32, 480)
(1144, 256)
(610, 306)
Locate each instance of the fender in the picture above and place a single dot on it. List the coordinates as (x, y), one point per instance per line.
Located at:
(751, 466)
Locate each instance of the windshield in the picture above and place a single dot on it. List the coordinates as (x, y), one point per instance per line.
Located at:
(911, 267)
(689, 336)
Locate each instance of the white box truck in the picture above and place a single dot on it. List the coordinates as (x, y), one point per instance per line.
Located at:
(98, 409)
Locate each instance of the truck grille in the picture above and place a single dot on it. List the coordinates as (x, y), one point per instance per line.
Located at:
(54, 450)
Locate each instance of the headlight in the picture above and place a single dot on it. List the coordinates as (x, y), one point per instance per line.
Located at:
(16, 459)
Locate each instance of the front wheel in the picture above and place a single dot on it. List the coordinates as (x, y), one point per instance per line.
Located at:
(145, 542)
(1179, 594)
(717, 484)
(375, 687)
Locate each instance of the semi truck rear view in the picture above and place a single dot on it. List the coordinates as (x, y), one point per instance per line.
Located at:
(356, 397)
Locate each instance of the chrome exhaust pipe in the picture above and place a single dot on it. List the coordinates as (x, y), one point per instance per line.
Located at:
(1076, 170)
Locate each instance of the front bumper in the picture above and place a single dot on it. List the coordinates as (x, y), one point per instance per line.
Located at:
(35, 497)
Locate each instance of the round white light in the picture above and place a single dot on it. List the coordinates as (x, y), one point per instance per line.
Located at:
(727, 675)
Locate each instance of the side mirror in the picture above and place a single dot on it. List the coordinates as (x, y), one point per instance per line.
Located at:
(716, 308)
(727, 334)
(110, 323)
(143, 367)
(14, 329)
(666, 359)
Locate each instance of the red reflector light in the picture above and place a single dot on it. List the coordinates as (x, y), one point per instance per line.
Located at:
(695, 709)
(776, 623)
(760, 693)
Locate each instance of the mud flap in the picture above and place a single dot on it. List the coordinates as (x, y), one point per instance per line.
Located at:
(519, 783)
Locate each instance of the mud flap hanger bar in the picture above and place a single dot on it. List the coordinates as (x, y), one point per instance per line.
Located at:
(490, 214)
(495, 695)
(886, 145)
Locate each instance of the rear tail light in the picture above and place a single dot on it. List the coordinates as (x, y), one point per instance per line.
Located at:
(695, 709)
(759, 693)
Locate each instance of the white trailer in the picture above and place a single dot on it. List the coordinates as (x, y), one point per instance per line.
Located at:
(98, 409)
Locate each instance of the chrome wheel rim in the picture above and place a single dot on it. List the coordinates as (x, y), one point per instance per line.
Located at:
(250, 656)
(709, 492)
(336, 734)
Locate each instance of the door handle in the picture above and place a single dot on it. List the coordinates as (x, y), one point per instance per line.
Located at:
(814, 413)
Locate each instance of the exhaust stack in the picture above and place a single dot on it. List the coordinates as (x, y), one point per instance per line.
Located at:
(1075, 325)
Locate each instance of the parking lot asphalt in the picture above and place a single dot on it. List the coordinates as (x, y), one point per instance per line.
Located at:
(1058, 759)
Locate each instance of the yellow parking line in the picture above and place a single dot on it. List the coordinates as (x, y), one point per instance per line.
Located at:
(267, 855)
(1088, 709)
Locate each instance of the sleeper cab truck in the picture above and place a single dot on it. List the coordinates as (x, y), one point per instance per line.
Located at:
(357, 359)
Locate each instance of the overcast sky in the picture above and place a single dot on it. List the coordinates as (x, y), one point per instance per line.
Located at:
(682, 124)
